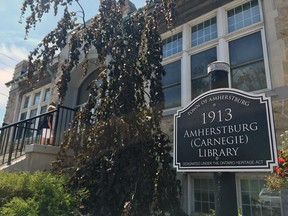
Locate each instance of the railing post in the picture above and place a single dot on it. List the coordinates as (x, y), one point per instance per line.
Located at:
(23, 136)
(56, 124)
(6, 140)
(1, 141)
(11, 145)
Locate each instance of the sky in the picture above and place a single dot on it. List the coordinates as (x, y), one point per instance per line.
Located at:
(13, 47)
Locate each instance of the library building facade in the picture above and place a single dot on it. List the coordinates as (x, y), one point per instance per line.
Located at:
(229, 133)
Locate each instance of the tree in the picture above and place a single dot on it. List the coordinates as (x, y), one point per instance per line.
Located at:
(122, 158)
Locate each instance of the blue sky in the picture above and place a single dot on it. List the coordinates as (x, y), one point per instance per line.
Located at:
(13, 47)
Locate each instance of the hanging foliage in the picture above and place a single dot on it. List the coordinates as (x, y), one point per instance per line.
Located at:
(121, 156)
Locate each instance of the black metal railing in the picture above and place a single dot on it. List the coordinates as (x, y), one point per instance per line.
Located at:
(14, 137)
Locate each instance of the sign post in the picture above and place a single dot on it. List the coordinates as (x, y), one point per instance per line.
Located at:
(224, 183)
(225, 131)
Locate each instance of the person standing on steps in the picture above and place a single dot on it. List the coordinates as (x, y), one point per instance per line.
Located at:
(46, 126)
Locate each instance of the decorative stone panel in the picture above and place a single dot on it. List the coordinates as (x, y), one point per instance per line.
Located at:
(280, 110)
(10, 107)
(281, 23)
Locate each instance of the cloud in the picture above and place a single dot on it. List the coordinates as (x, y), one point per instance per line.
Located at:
(13, 51)
(4, 90)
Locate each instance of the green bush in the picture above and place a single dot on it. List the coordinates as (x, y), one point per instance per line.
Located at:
(40, 193)
(19, 206)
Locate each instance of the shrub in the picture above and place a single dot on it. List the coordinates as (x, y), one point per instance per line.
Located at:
(40, 193)
(19, 206)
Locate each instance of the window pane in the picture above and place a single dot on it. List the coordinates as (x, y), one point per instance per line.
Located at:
(245, 49)
(198, 207)
(46, 95)
(26, 102)
(23, 116)
(205, 207)
(199, 62)
(243, 15)
(172, 96)
(43, 109)
(205, 196)
(197, 195)
(200, 86)
(173, 73)
(36, 98)
(172, 84)
(204, 32)
(249, 77)
(246, 210)
(247, 63)
(244, 185)
(172, 45)
(33, 113)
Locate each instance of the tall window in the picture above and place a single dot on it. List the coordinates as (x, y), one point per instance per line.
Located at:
(257, 200)
(247, 63)
(172, 45)
(204, 32)
(172, 84)
(204, 195)
(199, 62)
(243, 15)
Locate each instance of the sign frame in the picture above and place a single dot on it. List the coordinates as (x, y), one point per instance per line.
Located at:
(195, 106)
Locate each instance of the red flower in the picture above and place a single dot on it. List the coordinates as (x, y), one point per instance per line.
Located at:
(277, 170)
(281, 160)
